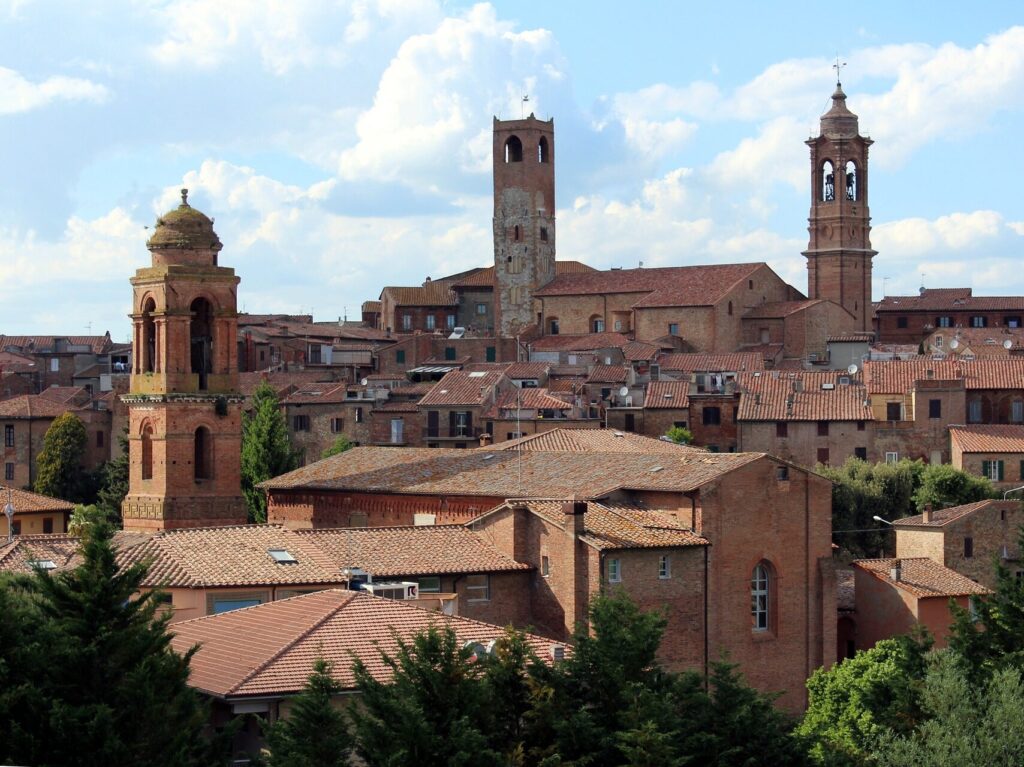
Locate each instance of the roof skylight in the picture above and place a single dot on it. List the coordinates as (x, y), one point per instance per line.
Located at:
(282, 556)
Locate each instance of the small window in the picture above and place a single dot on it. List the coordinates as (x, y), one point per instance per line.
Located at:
(673, 328)
(892, 457)
(430, 584)
(400, 357)
(337, 425)
(406, 322)
(712, 416)
(481, 309)
(979, 321)
(860, 426)
(545, 566)
(901, 322)
(822, 428)
(944, 322)
(750, 284)
(993, 470)
(781, 429)
(478, 588)
(823, 456)
(8, 435)
(938, 342)
(300, 423)
(664, 567)
(974, 411)
(782, 473)
(9, 472)
(16, 527)
(1017, 411)
(359, 415)
(543, 234)
(935, 408)
(598, 326)
(450, 322)
(48, 525)
(1012, 322)
(543, 153)
(553, 327)
(43, 564)
(54, 365)
(861, 453)
(968, 547)
(760, 584)
(431, 322)
(282, 556)
(614, 571)
(99, 439)
(730, 308)
(227, 605)
(449, 353)
(491, 353)
(893, 411)
(513, 149)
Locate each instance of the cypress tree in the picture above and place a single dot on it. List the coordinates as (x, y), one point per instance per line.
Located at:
(59, 465)
(315, 733)
(266, 449)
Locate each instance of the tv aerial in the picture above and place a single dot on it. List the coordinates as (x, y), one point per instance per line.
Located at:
(954, 344)
(852, 369)
(623, 391)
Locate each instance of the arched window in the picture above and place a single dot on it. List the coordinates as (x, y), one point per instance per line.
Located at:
(760, 597)
(202, 464)
(201, 339)
(147, 452)
(542, 150)
(851, 181)
(148, 340)
(553, 326)
(828, 181)
(513, 149)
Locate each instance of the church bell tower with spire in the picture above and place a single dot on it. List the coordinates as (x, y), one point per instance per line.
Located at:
(839, 248)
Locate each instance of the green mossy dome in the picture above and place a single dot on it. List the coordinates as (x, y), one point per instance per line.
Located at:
(184, 228)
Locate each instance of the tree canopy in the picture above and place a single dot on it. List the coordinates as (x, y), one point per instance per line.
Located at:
(266, 450)
(59, 466)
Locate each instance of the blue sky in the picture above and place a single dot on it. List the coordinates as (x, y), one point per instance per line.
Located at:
(345, 146)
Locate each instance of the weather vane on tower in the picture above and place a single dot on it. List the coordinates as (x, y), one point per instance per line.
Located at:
(838, 66)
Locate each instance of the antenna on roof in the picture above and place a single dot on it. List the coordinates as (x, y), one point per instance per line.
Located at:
(1007, 344)
(838, 67)
(852, 369)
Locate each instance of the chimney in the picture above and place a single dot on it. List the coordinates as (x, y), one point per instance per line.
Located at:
(485, 439)
(896, 573)
(926, 515)
(574, 599)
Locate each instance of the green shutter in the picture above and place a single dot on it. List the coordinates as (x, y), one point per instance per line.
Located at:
(986, 468)
(999, 468)
(491, 354)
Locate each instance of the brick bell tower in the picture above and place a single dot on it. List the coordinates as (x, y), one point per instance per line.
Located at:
(524, 218)
(839, 250)
(184, 407)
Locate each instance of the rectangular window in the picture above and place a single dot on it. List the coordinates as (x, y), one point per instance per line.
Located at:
(712, 416)
(1017, 411)
(860, 426)
(492, 353)
(629, 422)
(974, 411)
(543, 234)
(99, 439)
(431, 322)
(673, 328)
(598, 326)
(614, 571)
(430, 584)
(545, 566)
(979, 321)
(47, 525)
(935, 408)
(1012, 322)
(397, 431)
(8, 435)
(313, 352)
(822, 428)
(993, 470)
(9, 472)
(406, 322)
(227, 605)
(449, 353)
(450, 322)
(478, 588)
(901, 322)
(337, 425)
(359, 415)
(892, 457)
(861, 453)
(823, 456)
(782, 473)
(300, 423)
(400, 356)
(481, 309)
(938, 341)
(1021, 476)
(54, 365)
(781, 429)
(664, 568)
(16, 527)
(553, 327)
(968, 547)
(893, 411)
(461, 424)
(943, 322)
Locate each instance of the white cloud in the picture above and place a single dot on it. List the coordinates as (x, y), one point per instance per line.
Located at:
(18, 94)
(915, 237)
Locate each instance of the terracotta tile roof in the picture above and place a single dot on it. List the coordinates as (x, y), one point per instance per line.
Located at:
(413, 389)
(667, 395)
(460, 387)
(78, 395)
(608, 374)
(18, 555)
(771, 396)
(584, 343)
(495, 473)
(280, 381)
(12, 362)
(25, 501)
(615, 526)
(436, 293)
(47, 344)
(712, 363)
(571, 385)
(898, 376)
(409, 406)
(852, 338)
(976, 342)
(230, 556)
(669, 286)
(949, 299)
(484, 278)
(988, 438)
(387, 552)
(780, 309)
(638, 351)
(531, 399)
(521, 370)
(318, 393)
(33, 406)
(269, 650)
(922, 577)
(592, 441)
(942, 517)
(371, 306)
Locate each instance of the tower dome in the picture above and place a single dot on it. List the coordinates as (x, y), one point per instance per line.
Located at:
(839, 121)
(185, 229)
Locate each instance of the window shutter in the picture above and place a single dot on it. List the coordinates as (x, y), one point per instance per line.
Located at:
(986, 469)
(469, 425)
(999, 468)
(451, 423)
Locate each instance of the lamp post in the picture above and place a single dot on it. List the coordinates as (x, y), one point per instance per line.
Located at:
(886, 521)
(9, 511)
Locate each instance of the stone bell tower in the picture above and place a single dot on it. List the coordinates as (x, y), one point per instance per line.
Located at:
(839, 249)
(524, 218)
(185, 410)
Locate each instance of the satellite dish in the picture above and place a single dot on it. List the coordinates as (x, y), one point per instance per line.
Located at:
(1007, 343)
(623, 391)
(852, 369)
(954, 344)
(363, 382)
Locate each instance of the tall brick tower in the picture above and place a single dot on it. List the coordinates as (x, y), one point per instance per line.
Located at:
(839, 251)
(524, 218)
(185, 411)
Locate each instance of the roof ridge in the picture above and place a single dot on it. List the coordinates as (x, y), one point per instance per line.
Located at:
(297, 638)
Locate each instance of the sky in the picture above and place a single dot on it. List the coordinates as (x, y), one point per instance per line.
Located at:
(345, 146)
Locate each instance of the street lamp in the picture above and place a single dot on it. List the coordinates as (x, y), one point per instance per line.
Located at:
(9, 511)
(886, 521)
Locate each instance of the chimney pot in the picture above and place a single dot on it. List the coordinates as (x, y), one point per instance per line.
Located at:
(485, 439)
(896, 573)
(926, 515)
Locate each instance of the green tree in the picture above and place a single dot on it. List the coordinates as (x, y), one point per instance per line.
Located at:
(107, 687)
(942, 486)
(856, 703)
(315, 733)
(266, 449)
(59, 466)
(968, 724)
(429, 713)
(114, 482)
(340, 445)
(680, 435)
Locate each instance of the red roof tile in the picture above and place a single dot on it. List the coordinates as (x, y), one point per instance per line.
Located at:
(584, 343)
(667, 395)
(484, 278)
(799, 396)
(608, 374)
(988, 438)
(712, 363)
(591, 441)
(523, 370)
(780, 309)
(899, 376)
(942, 517)
(949, 299)
(460, 387)
(436, 293)
(531, 399)
(47, 344)
(922, 577)
(317, 393)
(33, 406)
(25, 501)
(638, 351)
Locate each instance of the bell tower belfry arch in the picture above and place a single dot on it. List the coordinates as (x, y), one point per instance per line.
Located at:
(839, 252)
(184, 407)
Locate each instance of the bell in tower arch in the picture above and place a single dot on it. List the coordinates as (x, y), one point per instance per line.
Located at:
(851, 180)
